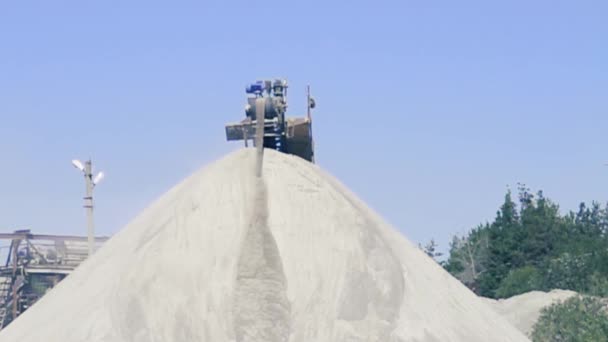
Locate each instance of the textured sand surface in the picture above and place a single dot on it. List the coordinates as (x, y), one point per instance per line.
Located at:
(224, 256)
(523, 310)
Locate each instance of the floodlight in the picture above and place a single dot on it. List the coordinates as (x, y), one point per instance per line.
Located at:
(98, 178)
(78, 164)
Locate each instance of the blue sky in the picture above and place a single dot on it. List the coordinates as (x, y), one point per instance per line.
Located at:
(427, 110)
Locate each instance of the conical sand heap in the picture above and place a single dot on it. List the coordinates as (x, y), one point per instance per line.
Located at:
(224, 256)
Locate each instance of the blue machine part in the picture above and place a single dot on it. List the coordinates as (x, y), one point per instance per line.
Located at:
(255, 88)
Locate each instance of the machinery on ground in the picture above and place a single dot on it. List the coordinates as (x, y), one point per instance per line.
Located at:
(268, 102)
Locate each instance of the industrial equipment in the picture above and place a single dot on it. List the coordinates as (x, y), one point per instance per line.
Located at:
(35, 263)
(287, 135)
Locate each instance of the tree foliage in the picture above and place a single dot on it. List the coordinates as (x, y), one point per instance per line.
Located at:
(531, 246)
(518, 281)
(578, 319)
(431, 249)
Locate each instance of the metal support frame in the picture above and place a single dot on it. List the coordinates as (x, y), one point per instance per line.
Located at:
(309, 106)
(88, 204)
(28, 258)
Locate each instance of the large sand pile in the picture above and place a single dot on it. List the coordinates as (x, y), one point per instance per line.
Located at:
(524, 310)
(225, 257)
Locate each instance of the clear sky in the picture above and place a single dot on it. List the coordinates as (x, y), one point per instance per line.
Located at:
(428, 110)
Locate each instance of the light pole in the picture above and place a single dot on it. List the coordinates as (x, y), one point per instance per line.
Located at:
(90, 182)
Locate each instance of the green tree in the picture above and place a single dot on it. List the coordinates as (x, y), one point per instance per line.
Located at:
(504, 248)
(520, 280)
(431, 249)
(578, 319)
(531, 246)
